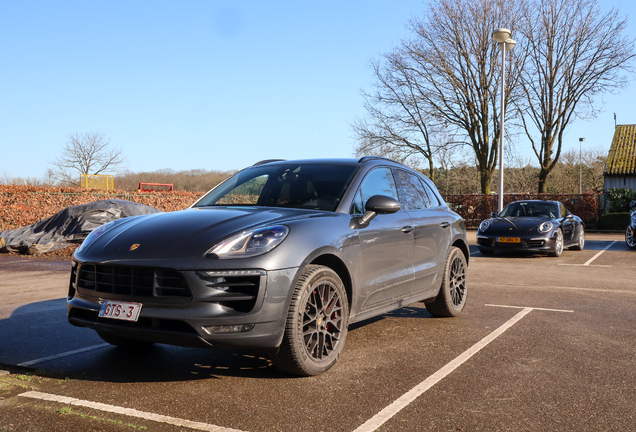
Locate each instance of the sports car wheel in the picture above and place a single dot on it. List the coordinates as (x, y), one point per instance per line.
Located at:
(558, 244)
(316, 326)
(581, 244)
(452, 295)
(630, 239)
(123, 342)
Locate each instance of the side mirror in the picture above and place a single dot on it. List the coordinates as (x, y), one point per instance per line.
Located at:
(632, 204)
(379, 204)
(494, 214)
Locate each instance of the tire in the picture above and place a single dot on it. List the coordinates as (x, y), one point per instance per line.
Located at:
(581, 243)
(486, 251)
(452, 294)
(123, 342)
(558, 245)
(630, 237)
(315, 330)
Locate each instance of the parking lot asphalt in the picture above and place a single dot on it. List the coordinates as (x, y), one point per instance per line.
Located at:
(544, 344)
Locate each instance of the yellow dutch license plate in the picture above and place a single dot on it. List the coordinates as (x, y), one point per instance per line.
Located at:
(508, 240)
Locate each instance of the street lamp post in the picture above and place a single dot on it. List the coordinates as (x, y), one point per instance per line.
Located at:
(580, 162)
(502, 36)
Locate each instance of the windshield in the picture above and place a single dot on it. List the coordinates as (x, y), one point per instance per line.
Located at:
(536, 209)
(308, 186)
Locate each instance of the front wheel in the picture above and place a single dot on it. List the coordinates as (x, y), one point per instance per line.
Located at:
(452, 295)
(316, 326)
(558, 244)
(630, 239)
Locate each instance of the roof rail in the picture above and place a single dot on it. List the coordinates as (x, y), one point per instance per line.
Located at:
(266, 161)
(370, 158)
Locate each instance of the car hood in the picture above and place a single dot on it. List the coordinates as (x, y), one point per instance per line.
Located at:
(183, 234)
(515, 224)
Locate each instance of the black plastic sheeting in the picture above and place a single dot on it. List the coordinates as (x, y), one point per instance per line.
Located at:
(70, 226)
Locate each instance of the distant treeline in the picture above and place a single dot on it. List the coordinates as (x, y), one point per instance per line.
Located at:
(197, 180)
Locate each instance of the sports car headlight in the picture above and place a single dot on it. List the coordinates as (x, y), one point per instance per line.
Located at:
(94, 234)
(484, 225)
(250, 243)
(545, 227)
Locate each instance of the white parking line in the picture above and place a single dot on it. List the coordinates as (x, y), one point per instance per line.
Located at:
(127, 411)
(383, 416)
(599, 254)
(64, 354)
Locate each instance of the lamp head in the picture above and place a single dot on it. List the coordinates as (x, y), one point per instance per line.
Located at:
(501, 35)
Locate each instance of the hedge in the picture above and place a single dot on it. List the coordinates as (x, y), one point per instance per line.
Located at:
(474, 208)
(614, 221)
(25, 205)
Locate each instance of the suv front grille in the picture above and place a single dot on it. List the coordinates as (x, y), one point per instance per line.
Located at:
(132, 281)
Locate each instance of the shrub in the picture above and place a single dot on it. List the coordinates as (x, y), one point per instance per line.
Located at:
(619, 199)
(614, 221)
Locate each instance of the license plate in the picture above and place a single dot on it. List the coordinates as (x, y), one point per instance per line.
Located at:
(120, 310)
(508, 239)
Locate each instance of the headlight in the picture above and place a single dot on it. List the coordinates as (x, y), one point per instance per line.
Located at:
(484, 225)
(94, 234)
(250, 243)
(545, 227)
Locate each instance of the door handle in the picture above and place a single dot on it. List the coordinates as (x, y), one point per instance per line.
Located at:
(445, 224)
(407, 229)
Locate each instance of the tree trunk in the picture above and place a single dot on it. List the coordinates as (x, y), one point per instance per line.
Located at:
(543, 181)
(486, 178)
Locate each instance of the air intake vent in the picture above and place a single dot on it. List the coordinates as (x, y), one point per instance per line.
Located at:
(133, 281)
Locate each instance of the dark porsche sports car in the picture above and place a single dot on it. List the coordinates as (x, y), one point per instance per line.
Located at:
(630, 232)
(279, 258)
(532, 226)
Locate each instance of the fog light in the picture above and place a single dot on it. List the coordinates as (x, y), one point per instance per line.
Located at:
(237, 328)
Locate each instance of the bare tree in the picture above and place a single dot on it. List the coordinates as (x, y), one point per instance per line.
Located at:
(594, 161)
(87, 153)
(574, 53)
(445, 76)
(397, 122)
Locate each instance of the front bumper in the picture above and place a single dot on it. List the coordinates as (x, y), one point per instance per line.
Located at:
(538, 244)
(186, 308)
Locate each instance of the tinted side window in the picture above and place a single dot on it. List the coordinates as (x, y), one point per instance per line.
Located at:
(435, 202)
(356, 207)
(377, 182)
(412, 193)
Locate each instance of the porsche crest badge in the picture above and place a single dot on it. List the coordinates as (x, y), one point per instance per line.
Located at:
(135, 246)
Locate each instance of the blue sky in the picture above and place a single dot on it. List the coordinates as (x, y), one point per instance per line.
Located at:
(212, 84)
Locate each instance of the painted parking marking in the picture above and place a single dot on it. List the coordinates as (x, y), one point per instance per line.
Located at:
(64, 354)
(383, 416)
(591, 260)
(127, 411)
(553, 287)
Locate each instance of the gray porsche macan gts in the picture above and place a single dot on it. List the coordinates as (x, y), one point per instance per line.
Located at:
(280, 258)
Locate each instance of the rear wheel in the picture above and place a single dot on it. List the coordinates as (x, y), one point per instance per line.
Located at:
(124, 342)
(316, 327)
(630, 239)
(452, 295)
(581, 243)
(558, 244)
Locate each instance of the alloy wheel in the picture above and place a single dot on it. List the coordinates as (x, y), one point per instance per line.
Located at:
(558, 244)
(630, 239)
(322, 321)
(457, 282)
